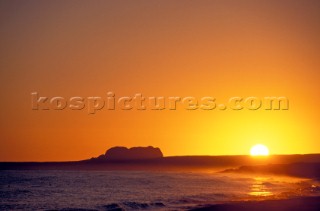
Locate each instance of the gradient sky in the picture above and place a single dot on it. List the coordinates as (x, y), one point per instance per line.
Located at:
(158, 48)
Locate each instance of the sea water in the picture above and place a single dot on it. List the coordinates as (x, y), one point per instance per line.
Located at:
(131, 190)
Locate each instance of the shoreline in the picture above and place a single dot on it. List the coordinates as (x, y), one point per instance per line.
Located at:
(310, 203)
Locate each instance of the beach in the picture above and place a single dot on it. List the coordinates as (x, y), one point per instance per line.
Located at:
(294, 204)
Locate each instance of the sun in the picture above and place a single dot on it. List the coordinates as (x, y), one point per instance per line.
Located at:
(259, 150)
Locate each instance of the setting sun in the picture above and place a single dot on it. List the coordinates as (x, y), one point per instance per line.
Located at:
(259, 150)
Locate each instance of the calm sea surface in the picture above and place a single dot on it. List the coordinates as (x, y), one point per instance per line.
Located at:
(131, 190)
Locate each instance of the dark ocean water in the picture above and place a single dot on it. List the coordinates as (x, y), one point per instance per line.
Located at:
(131, 190)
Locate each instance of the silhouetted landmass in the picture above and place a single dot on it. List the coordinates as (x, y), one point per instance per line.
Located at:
(151, 158)
(295, 204)
(308, 170)
(134, 153)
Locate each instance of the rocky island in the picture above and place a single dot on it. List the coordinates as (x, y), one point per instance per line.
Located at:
(134, 153)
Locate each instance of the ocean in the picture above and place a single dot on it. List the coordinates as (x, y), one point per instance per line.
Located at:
(148, 190)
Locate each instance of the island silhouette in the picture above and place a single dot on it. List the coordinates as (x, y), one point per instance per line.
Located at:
(151, 158)
(134, 153)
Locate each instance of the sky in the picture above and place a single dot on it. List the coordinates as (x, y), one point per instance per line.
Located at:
(165, 48)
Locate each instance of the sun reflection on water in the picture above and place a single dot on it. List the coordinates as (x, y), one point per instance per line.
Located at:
(258, 188)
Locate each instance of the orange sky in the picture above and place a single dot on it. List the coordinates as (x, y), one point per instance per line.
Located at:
(158, 48)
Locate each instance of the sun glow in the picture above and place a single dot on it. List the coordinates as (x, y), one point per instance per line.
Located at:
(259, 150)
